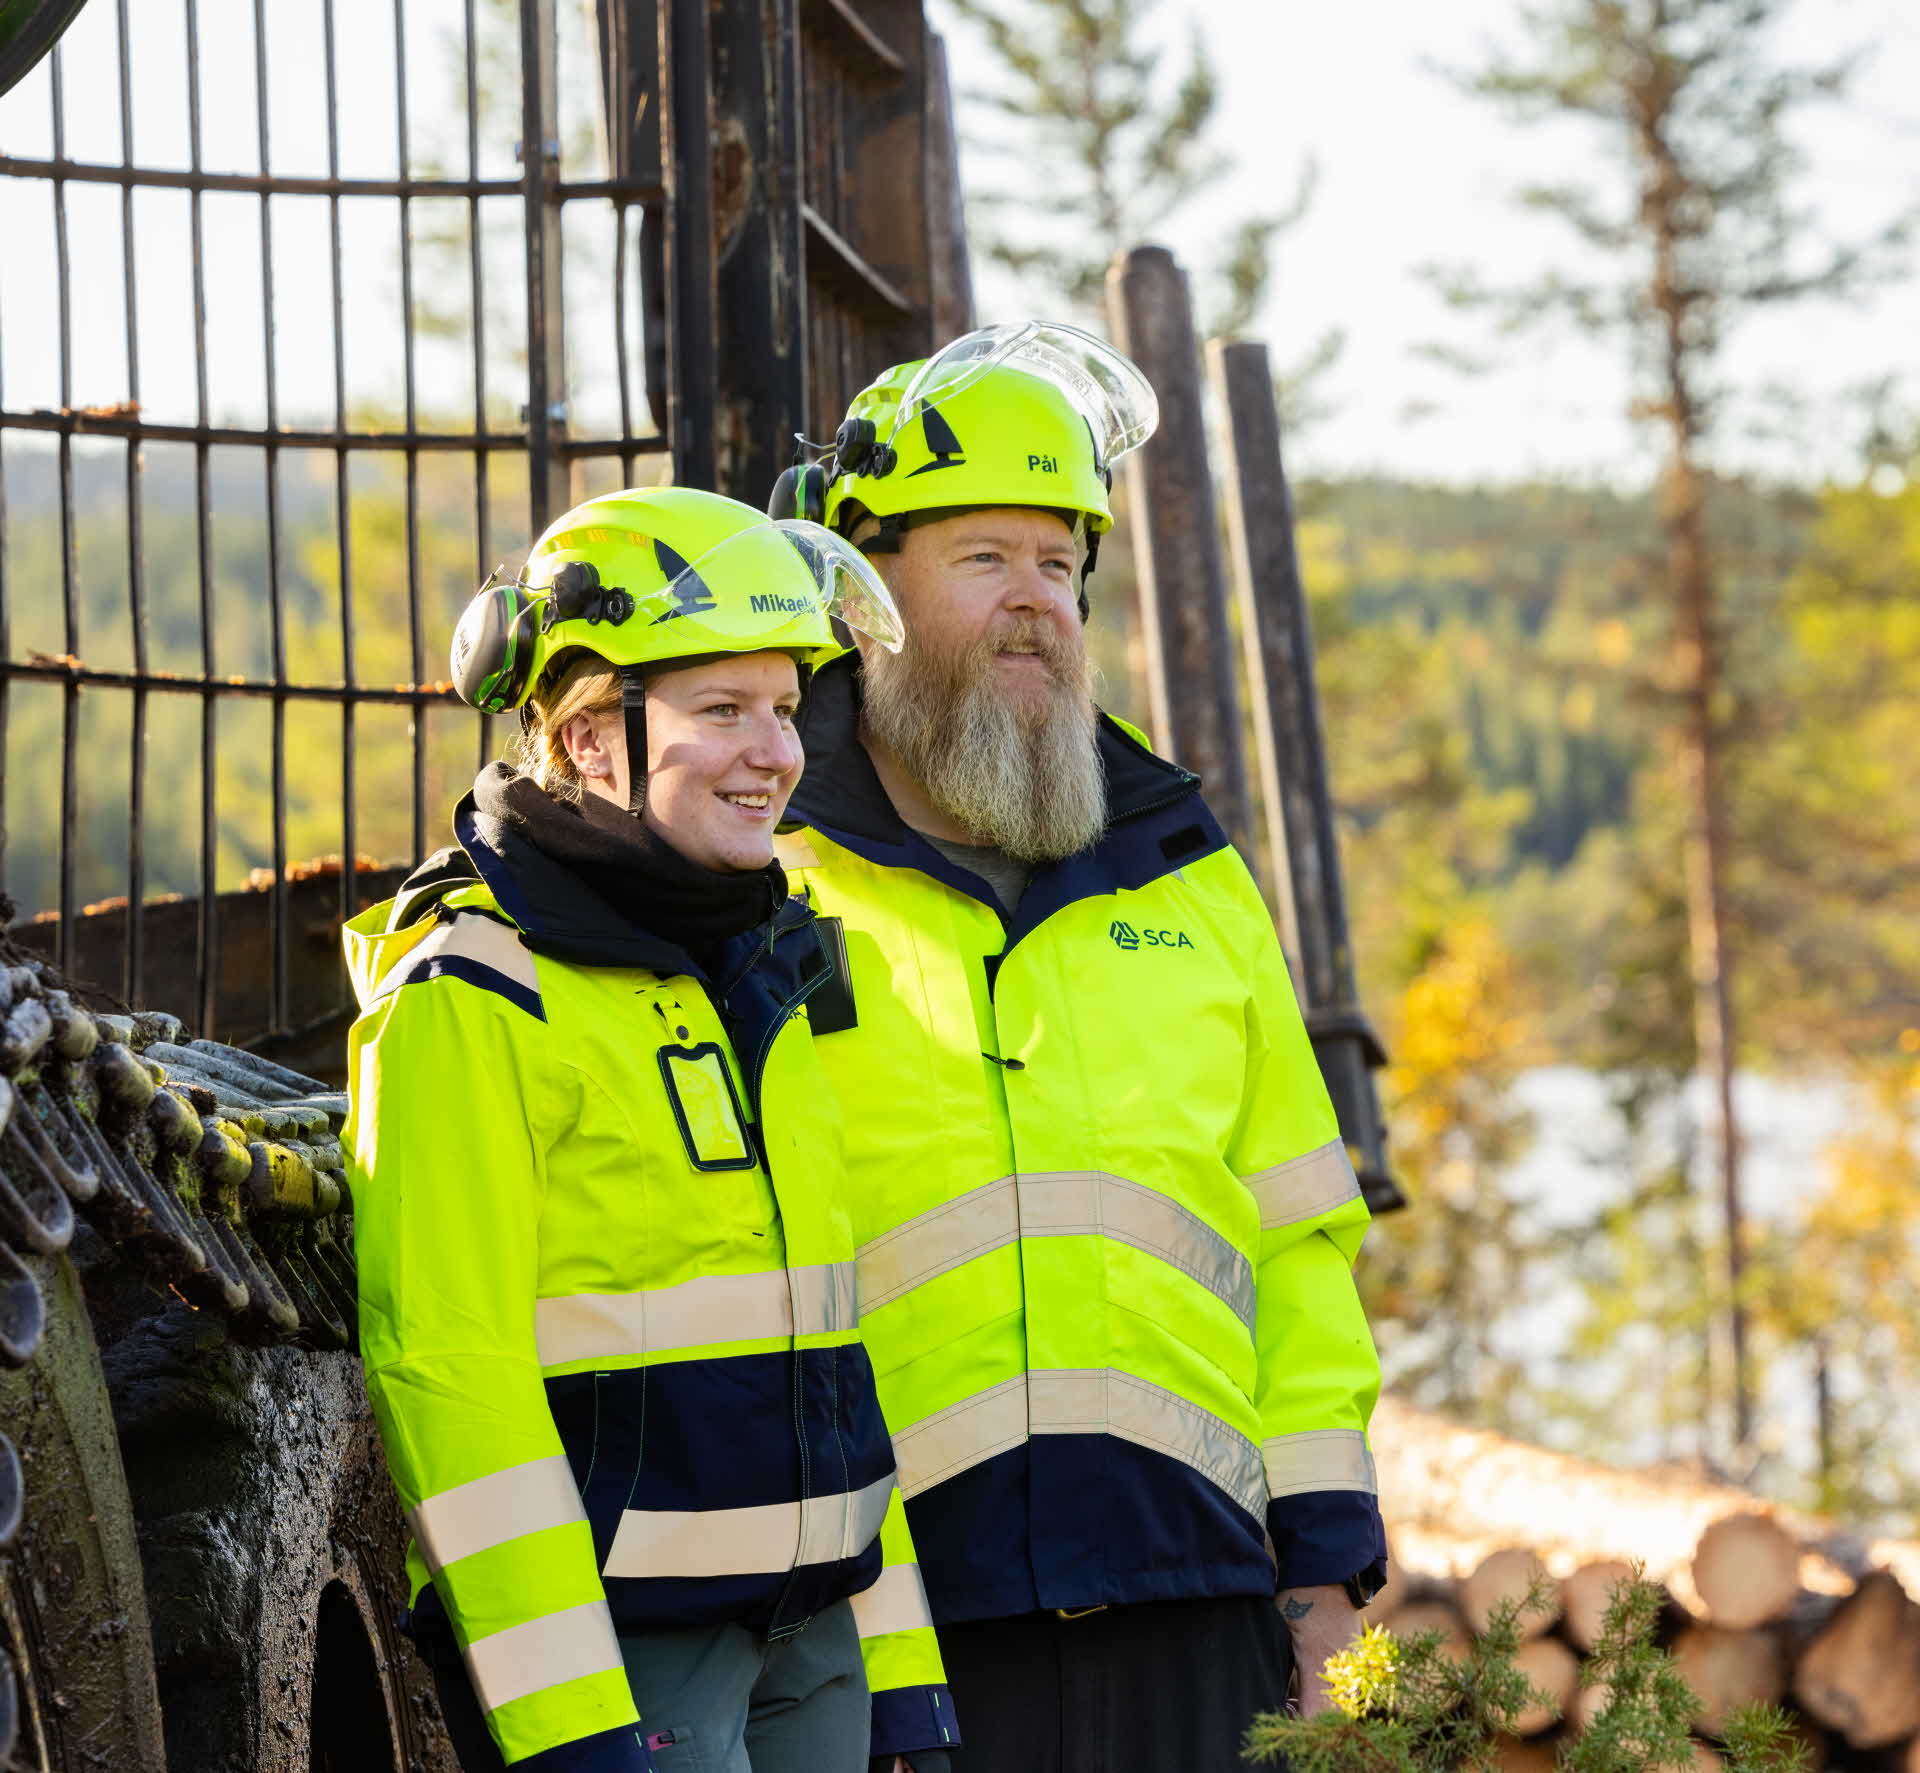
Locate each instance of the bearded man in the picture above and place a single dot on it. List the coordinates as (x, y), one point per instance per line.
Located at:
(1105, 1218)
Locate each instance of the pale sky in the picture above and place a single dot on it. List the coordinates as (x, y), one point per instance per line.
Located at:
(1413, 171)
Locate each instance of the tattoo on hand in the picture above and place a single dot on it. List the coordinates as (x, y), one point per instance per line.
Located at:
(1294, 1609)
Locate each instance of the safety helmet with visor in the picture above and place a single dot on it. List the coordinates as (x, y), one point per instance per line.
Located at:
(1032, 413)
(658, 578)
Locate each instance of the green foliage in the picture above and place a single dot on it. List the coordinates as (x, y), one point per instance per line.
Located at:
(1494, 686)
(1409, 1707)
(1824, 808)
(1685, 97)
(1842, 1284)
(445, 557)
(1649, 1707)
(1759, 1739)
(1439, 1282)
(1693, 228)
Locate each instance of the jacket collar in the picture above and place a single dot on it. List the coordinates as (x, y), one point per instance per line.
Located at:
(559, 916)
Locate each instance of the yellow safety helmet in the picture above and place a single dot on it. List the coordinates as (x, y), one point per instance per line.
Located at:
(652, 575)
(655, 577)
(1033, 413)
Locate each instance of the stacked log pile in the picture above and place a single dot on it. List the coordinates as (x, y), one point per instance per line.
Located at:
(1762, 1603)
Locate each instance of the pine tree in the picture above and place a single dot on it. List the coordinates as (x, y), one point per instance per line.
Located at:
(1105, 148)
(1700, 233)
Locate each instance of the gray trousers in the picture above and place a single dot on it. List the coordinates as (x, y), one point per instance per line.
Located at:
(719, 1699)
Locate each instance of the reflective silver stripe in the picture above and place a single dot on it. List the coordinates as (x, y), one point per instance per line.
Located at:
(748, 1541)
(1085, 1400)
(937, 1241)
(715, 1308)
(1060, 1203)
(470, 936)
(1097, 1400)
(1304, 1187)
(1068, 1203)
(1319, 1459)
(897, 1602)
(962, 1435)
(493, 1509)
(523, 1659)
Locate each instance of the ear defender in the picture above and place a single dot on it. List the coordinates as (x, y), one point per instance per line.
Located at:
(493, 648)
(800, 492)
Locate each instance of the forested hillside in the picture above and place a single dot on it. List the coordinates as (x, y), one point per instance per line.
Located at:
(1493, 698)
(1488, 670)
(1493, 685)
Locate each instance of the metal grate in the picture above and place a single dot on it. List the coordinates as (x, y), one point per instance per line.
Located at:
(334, 439)
(309, 315)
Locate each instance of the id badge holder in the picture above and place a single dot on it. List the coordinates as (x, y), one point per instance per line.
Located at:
(706, 1107)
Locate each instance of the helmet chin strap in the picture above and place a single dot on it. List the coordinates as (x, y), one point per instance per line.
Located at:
(633, 706)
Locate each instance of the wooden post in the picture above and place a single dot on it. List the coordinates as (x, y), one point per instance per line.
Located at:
(549, 476)
(1303, 857)
(1193, 697)
(686, 52)
(759, 292)
(949, 265)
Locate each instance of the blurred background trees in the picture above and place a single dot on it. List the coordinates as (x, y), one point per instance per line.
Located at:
(1622, 758)
(1696, 226)
(1517, 676)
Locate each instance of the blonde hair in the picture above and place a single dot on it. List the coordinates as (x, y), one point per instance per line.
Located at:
(583, 684)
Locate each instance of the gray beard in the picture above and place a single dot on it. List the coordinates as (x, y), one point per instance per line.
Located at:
(1031, 785)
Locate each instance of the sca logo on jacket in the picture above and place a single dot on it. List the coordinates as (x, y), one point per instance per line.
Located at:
(1126, 936)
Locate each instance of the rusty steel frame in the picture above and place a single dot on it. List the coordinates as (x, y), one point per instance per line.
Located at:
(543, 439)
(771, 149)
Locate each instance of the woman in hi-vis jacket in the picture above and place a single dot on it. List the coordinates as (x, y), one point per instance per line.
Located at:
(606, 1279)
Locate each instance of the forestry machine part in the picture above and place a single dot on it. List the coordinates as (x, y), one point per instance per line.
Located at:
(218, 1171)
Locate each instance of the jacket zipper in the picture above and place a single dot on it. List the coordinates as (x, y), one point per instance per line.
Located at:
(776, 1627)
(781, 1017)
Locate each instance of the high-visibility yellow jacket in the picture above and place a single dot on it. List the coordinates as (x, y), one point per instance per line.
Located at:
(1105, 1218)
(607, 1309)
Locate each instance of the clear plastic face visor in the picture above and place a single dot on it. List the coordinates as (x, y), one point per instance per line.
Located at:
(1116, 400)
(763, 579)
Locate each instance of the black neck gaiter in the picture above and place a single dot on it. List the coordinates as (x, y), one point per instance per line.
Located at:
(642, 877)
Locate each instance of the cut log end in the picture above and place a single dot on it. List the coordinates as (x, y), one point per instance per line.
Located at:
(1587, 1705)
(1746, 1571)
(1508, 1576)
(1586, 1595)
(1418, 1616)
(1729, 1669)
(1554, 1671)
(1861, 1673)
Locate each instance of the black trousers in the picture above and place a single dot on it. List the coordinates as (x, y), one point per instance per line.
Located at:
(1156, 1687)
